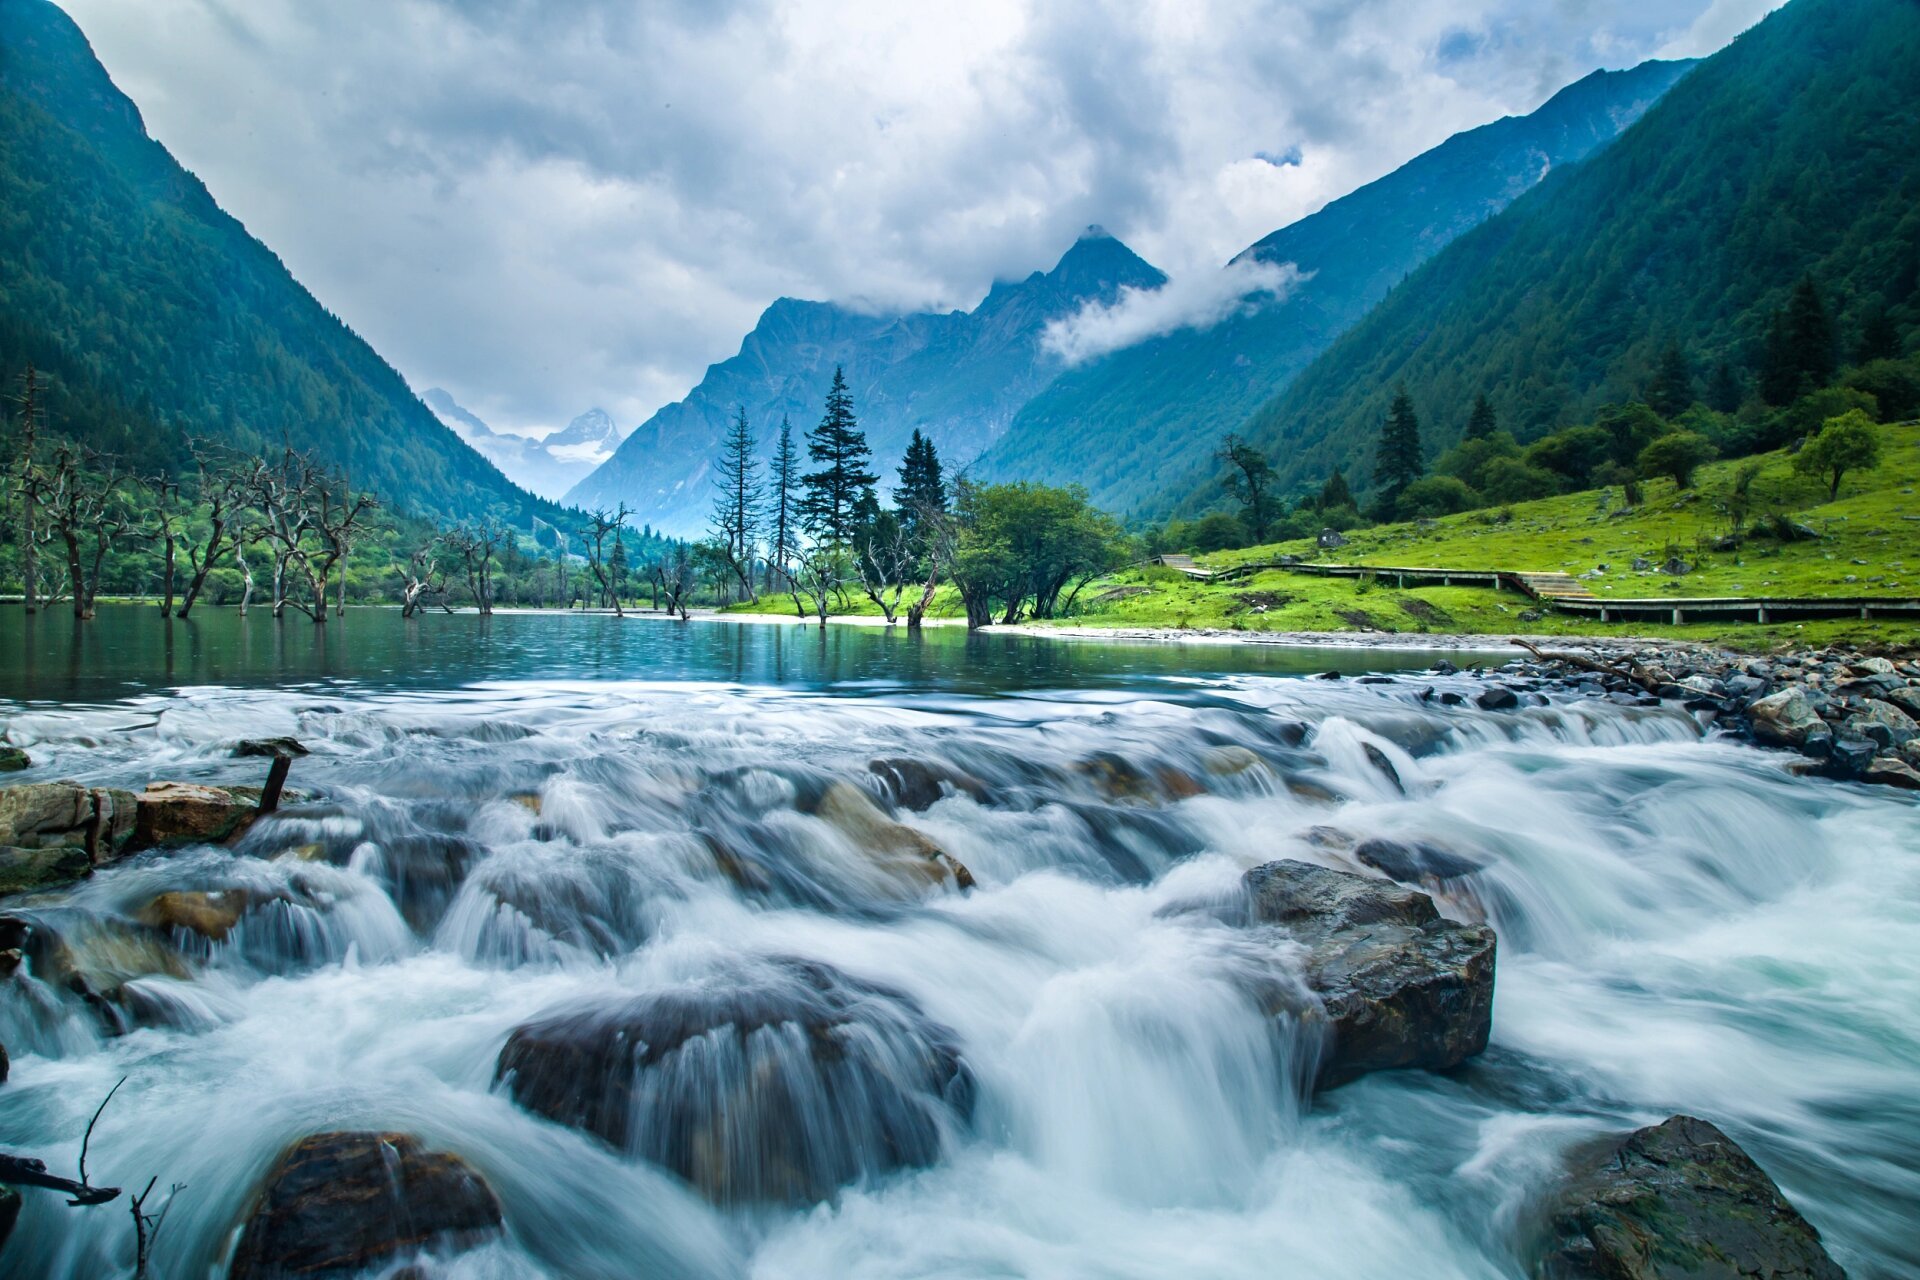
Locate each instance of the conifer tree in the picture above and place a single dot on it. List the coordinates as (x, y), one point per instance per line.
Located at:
(736, 508)
(1335, 493)
(783, 504)
(1879, 337)
(829, 509)
(922, 490)
(1799, 349)
(1671, 390)
(1481, 423)
(1726, 393)
(1396, 461)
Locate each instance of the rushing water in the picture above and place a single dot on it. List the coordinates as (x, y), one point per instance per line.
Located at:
(546, 814)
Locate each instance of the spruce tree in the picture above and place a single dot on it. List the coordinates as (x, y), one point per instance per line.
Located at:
(922, 490)
(1335, 493)
(1726, 394)
(829, 509)
(783, 503)
(736, 507)
(1481, 423)
(1396, 461)
(1671, 391)
(1879, 337)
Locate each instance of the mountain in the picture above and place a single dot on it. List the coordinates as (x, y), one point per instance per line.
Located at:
(547, 467)
(957, 377)
(158, 318)
(1122, 423)
(1787, 154)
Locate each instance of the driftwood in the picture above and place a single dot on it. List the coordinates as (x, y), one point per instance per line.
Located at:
(23, 1172)
(1626, 668)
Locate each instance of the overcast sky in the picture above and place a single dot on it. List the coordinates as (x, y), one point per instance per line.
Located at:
(546, 206)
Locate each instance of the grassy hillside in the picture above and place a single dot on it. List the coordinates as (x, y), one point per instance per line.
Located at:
(157, 317)
(1869, 545)
(1788, 154)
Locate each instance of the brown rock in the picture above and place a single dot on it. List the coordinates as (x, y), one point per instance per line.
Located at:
(173, 813)
(906, 853)
(1889, 772)
(338, 1204)
(212, 915)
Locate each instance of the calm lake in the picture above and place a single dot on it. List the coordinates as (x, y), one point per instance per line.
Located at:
(535, 821)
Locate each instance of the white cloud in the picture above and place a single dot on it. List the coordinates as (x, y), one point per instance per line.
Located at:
(1713, 29)
(546, 204)
(1197, 300)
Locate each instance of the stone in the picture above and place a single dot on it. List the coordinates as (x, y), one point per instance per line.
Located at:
(1414, 862)
(1851, 756)
(918, 784)
(211, 914)
(176, 813)
(1676, 1201)
(39, 814)
(338, 1204)
(1399, 986)
(270, 748)
(905, 853)
(1331, 538)
(9, 1213)
(13, 760)
(1873, 667)
(774, 1081)
(1497, 699)
(1228, 762)
(1784, 718)
(36, 870)
(1905, 697)
(1884, 722)
(1891, 772)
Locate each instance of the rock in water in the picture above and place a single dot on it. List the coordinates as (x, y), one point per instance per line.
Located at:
(338, 1204)
(1400, 985)
(9, 1213)
(1677, 1201)
(778, 1082)
(1784, 718)
(188, 813)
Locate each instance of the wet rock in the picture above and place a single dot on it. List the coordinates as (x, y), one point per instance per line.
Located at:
(1498, 698)
(1891, 772)
(13, 760)
(774, 1082)
(1784, 718)
(1401, 986)
(270, 748)
(42, 814)
(91, 957)
(1676, 1200)
(1885, 723)
(907, 854)
(1378, 759)
(37, 870)
(174, 813)
(338, 1204)
(918, 784)
(1850, 756)
(1228, 762)
(210, 914)
(1415, 862)
(6, 1068)
(1906, 697)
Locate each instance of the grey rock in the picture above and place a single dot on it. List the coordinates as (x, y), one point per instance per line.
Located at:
(1891, 772)
(13, 760)
(1784, 718)
(1851, 756)
(1497, 698)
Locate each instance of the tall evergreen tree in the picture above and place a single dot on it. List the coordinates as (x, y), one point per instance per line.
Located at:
(783, 510)
(922, 489)
(830, 507)
(1396, 460)
(1879, 337)
(1671, 390)
(736, 507)
(1726, 394)
(1799, 353)
(1335, 492)
(1481, 423)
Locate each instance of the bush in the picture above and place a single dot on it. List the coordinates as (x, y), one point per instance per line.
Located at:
(1513, 480)
(1573, 454)
(1436, 496)
(1216, 531)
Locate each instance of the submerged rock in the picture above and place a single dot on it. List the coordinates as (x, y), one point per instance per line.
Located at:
(779, 1082)
(1400, 985)
(903, 852)
(919, 784)
(209, 913)
(338, 1204)
(13, 760)
(1677, 1200)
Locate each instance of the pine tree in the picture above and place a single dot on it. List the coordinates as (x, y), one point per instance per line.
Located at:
(922, 490)
(1726, 394)
(736, 508)
(1335, 493)
(1481, 423)
(1879, 337)
(1799, 351)
(1396, 460)
(781, 543)
(1671, 391)
(829, 509)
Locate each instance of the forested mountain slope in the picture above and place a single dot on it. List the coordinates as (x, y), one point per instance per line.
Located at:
(1124, 422)
(1789, 154)
(158, 318)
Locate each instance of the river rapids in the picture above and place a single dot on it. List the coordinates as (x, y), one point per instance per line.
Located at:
(1059, 1071)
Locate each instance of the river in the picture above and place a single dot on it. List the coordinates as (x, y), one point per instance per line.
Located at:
(547, 812)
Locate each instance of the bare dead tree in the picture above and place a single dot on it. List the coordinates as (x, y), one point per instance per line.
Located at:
(221, 488)
(336, 515)
(475, 544)
(79, 490)
(818, 576)
(600, 526)
(421, 578)
(246, 575)
(309, 516)
(167, 522)
(25, 463)
(673, 573)
(886, 564)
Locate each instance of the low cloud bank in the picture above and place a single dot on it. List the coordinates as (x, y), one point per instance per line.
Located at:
(1194, 301)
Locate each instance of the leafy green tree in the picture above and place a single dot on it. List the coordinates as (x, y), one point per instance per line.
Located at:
(1849, 442)
(1215, 531)
(1026, 549)
(1677, 455)
(1630, 428)
(1432, 496)
(1481, 422)
(1516, 480)
(1397, 460)
(1468, 461)
(1894, 386)
(834, 494)
(1671, 390)
(1250, 481)
(1573, 454)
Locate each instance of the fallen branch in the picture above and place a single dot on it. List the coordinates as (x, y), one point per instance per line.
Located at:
(23, 1172)
(1631, 670)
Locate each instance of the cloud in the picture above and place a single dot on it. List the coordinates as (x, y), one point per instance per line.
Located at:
(1198, 300)
(546, 205)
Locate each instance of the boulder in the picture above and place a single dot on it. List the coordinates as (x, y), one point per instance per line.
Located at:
(1414, 862)
(93, 957)
(13, 760)
(339, 1204)
(1676, 1200)
(1906, 697)
(37, 870)
(1890, 772)
(211, 914)
(1497, 698)
(38, 815)
(907, 854)
(918, 784)
(174, 813)
(1228, 762)
(1398, 985)
(774, 1082)
(1883, 722)
(1784, 718)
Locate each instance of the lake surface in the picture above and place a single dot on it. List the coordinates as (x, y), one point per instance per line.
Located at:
(536, 817)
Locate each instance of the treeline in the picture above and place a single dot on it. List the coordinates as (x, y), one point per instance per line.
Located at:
(819, 533)
(1802, 393)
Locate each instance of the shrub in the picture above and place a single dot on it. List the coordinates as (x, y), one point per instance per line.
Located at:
(1676, 455)
(1846, 443)
(1436, 496)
